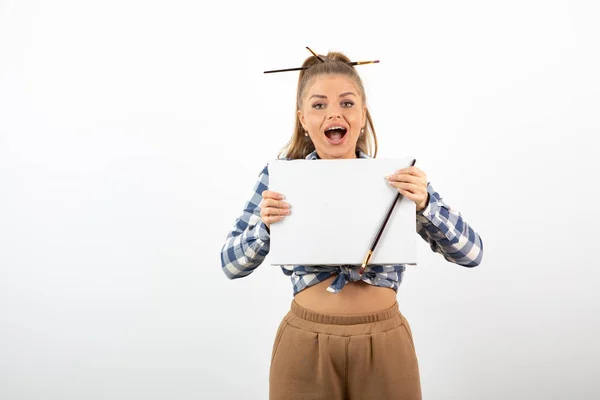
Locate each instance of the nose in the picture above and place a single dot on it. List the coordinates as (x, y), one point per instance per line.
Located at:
(334, 114)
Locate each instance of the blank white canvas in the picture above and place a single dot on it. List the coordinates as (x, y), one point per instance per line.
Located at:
(337, 209)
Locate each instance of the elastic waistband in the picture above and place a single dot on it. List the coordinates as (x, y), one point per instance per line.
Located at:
(344, 319)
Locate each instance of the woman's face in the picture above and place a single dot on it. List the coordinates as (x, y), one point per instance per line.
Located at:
(333, 113)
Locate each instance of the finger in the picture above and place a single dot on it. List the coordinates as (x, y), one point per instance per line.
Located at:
(411, 187)
(273, 211)
(270, 215)
(403, 177)
(265, 211)
(418, 194)
(268, 194)
(408, 195)
(276, 204)
(412, 171)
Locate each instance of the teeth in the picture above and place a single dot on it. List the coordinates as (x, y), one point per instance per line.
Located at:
(335, 127)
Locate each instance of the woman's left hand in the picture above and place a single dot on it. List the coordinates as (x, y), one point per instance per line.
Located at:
(411, 182)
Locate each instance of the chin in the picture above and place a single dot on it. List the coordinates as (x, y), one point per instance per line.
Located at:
(339, 152)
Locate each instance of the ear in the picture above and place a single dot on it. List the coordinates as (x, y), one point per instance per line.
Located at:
(301, 118)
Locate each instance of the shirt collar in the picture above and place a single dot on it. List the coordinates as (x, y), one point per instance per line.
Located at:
(315, 156)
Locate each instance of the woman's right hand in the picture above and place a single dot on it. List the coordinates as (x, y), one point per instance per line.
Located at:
(272, 208)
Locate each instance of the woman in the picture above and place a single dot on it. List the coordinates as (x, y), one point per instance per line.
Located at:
(344, 336)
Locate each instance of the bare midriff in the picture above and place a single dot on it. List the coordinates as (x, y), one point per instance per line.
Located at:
(356, 297)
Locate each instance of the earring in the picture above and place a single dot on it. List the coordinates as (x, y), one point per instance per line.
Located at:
(305, 133)
(362, 130)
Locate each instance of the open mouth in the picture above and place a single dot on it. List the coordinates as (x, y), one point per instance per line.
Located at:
(335, 134)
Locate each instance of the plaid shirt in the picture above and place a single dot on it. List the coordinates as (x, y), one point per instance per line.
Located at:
(439, 225)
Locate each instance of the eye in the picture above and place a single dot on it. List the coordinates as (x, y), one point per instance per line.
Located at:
(347, 104)
(318, 106)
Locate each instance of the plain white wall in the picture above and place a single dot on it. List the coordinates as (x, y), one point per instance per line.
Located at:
(132, 132)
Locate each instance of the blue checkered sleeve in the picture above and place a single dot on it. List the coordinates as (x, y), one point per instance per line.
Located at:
(447, 233)
(247, 244)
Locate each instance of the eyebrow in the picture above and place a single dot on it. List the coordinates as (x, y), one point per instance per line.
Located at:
(320, 96)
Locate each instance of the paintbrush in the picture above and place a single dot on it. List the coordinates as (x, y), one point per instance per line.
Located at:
(381, 228)
(301, 68)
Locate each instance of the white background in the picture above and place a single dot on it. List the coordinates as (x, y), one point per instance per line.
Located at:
(132, 132)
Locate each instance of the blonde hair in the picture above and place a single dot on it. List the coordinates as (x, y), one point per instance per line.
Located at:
(335, 63)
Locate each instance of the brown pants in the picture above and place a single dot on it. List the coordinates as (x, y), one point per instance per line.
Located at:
(344, 357)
